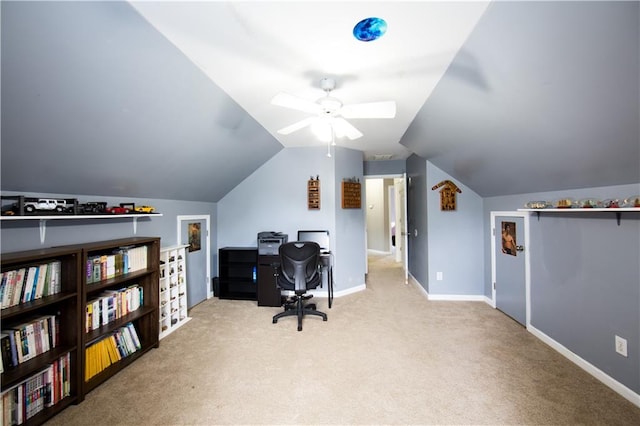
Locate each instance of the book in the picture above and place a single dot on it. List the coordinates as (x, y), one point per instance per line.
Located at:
(104, 310)
(118, 262)
(103, 267)
(14, 348)
(19, 284)
(134, 336)
(47, 281)
(29, 332)
(3, 287)
(9, 282)
(111, 266)
(22, 345)
(29, 284)
(42, 274)
(88, 324)
(55, 286)
(97, 269)
(7, 352)
(128, 340)
(97, 316)
(88, 270)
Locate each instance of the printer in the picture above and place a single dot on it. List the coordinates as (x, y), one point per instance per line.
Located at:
(270, 242)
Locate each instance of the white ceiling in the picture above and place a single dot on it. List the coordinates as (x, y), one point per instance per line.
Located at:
(537, 96)
(253, 50)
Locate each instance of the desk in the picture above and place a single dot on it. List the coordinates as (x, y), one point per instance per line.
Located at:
(268, 292)
(326, 259)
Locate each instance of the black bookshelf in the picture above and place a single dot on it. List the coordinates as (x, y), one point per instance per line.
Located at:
(238, 273)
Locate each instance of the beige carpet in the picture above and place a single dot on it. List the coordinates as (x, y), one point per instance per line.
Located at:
(386, 355)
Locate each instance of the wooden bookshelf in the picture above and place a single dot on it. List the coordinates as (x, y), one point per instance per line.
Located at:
(144, 318)
(62, 360)
(61, 352)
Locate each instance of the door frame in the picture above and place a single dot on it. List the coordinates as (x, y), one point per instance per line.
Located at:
(207, 219)
(401, 207)
(527, 258)
(405, 236)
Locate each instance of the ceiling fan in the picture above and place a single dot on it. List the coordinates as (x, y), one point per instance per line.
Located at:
(330, 113)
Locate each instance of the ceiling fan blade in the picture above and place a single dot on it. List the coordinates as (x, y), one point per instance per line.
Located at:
(343, 128)
(386, 109)
(296, 126)
(289, 101)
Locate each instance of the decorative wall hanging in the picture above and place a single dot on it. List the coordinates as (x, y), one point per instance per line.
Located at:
(194, 237)
(447, 195)
(509, 245)
(313, 193)
(351, 193)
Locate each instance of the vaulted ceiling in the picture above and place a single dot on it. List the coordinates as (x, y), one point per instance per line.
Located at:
(172, 99)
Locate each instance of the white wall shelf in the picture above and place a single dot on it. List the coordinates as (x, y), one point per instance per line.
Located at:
(42, 220)
(616, 210)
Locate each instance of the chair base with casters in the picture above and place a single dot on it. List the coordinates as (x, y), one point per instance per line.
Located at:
(299, 271)
(296, 306)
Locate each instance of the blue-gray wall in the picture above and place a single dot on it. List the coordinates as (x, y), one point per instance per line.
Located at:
(455, 240)
(274, 198)
(384, 167)
(450, 242)
(351, 254)
(585, 278)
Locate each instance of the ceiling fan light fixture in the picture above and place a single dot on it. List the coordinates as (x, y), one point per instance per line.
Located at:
(322, 130)
(329, 121)
(370, 29)
(329, 104)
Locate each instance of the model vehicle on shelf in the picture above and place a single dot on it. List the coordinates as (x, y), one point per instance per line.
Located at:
(45, 204)
(144, 209)
(117, 210)
(92, 207)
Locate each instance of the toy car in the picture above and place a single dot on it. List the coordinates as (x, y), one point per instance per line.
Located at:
(92, 207)
(145, 209)
(44, 204)
(117, 210)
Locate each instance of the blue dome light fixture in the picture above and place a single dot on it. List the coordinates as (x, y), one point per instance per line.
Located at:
(370, 29)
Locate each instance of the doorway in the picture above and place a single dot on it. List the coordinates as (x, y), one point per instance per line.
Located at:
(386, 217)
(510, 264)
(193, 230)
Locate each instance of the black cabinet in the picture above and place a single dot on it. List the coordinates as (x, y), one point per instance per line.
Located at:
(238, 273)
(268, 292)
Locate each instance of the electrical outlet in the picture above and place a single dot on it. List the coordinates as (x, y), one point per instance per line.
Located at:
(439, 276)
(621, 346)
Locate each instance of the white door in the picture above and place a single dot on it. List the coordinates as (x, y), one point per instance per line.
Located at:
(510, 264)
(402, 236)
(194, 231)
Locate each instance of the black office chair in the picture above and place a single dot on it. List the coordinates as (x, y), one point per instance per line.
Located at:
(299, 271)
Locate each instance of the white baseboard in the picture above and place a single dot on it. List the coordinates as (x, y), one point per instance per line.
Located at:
(458, 297)
(449, 297)
(616, 386)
